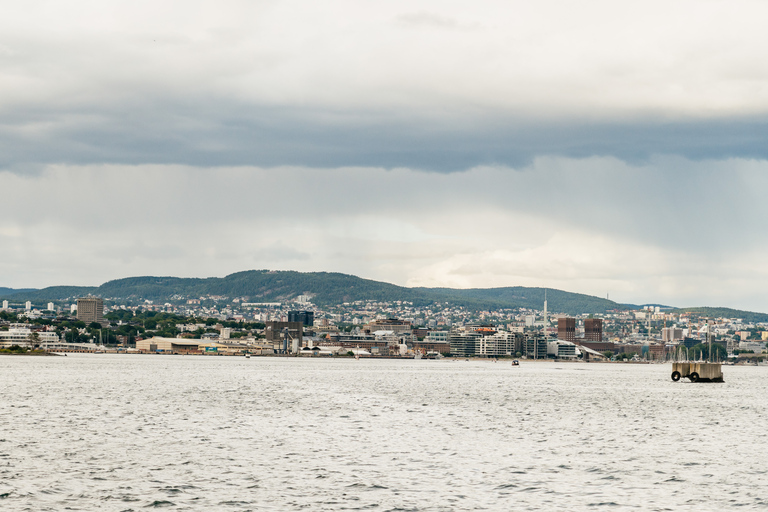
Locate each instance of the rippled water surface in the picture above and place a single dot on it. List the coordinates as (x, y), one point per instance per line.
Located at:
(130, 432)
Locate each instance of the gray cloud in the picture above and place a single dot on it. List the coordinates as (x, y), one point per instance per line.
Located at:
(266, 84)
(270, 137)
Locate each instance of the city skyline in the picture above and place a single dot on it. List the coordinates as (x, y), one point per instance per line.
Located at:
(605, 149)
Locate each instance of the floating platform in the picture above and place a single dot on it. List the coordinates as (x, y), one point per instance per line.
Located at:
(698, 372)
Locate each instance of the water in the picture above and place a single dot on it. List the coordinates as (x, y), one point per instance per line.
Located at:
(123, 432)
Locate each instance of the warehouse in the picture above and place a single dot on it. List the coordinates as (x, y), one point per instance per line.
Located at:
(172, 345)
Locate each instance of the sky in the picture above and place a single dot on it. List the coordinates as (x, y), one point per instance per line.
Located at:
(617, 149)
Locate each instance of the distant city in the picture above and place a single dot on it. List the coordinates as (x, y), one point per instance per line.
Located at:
(219, 325)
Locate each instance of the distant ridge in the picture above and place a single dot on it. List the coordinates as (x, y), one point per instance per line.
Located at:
(716, 312)
(326, 288)
(9, 292)
(330, 288)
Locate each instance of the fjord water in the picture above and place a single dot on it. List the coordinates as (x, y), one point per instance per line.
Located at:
(129, 432)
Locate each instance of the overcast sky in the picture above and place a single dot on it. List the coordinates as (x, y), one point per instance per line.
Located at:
(598, 147)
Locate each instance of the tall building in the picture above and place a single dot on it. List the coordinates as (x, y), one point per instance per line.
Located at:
(307, 318)
(464, 344)
(566, 329)
(669, 334)
(90, 309)
(535, 346)
(593, 329)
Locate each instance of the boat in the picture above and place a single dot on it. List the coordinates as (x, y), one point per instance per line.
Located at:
(515, 363)
(247, 356)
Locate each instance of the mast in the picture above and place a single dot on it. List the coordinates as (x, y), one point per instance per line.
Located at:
(546, 323)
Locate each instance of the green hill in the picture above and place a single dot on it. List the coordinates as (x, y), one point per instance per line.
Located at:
(330, 288)
(8, 292)
(747, 316)
(327, 288)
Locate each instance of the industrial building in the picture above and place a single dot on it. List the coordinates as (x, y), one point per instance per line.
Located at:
(173, 345)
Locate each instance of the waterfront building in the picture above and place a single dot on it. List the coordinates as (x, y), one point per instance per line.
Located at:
(535, 347)
(190, 346)
(500, 343)
(90, 309)
(463, 344)
(21, 335)
(561, 349)
(598, 346)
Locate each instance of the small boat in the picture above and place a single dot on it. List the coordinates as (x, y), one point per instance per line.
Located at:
(515, 363)
(247, 356)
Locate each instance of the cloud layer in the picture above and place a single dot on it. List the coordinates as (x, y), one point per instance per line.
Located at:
(598, 147)
(430, 85)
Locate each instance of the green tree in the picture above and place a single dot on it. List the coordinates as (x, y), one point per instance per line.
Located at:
(34, 338)
(719, 352)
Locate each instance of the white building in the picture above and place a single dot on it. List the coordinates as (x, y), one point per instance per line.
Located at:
(18, 335)
(501, 343)
(754, 346)
(562, 349)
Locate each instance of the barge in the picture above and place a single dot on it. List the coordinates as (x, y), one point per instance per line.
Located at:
(698, 371)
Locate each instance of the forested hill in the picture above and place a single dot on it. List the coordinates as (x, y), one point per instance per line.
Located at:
(8, 292)
(747, 316)
(326, 288)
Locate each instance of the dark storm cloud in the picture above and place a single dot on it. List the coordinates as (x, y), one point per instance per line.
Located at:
(221, 134)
